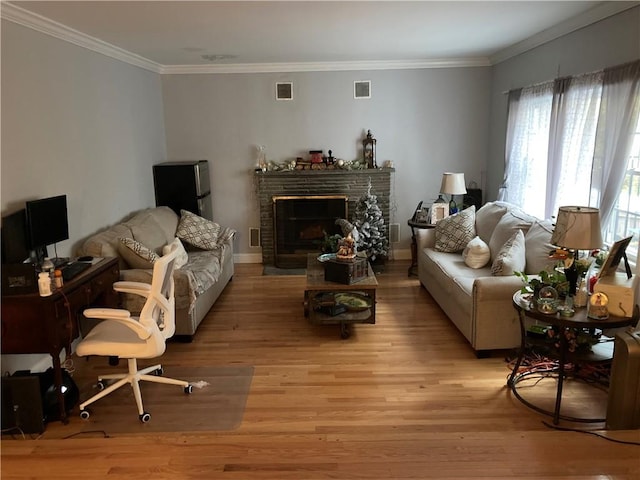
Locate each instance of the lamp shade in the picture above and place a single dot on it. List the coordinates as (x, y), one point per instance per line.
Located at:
(453, 184)
(577, 228)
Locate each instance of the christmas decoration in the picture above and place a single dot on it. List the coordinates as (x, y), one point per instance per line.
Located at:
(369, 222)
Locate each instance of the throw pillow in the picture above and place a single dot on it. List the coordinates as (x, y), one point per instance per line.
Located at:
(182, 258)
(136, 254)
(487, 217)
(476, 254)
(511, 257)
(538, 245)
(456, 231)
(512, 221)
(198, 231)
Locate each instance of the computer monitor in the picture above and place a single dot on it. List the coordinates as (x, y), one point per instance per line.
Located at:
(15, 246)
(47, 221)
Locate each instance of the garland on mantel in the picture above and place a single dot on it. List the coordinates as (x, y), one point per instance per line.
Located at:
(292, 165)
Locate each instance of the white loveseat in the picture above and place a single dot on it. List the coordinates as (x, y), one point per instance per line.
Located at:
(198, 283)
(477, 301)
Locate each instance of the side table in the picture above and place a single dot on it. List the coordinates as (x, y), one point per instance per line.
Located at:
(580, 319)
(414, 243)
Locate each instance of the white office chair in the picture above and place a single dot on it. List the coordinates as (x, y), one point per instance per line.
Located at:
(126, 336)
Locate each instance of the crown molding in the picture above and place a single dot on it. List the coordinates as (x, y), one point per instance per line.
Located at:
(326, 66)
(18, 15)
(600, 12)
(28, 19)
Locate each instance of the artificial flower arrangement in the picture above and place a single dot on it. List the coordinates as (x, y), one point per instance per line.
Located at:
(578, 339)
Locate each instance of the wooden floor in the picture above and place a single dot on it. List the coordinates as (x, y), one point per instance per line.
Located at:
(405, 398)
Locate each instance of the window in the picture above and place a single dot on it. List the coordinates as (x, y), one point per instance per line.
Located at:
(625, 218)
(576, 141)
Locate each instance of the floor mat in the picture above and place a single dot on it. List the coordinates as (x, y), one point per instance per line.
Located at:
(216, 404)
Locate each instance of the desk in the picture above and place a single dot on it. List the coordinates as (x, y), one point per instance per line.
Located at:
(35, 324)
(599, 352)
(414, 243)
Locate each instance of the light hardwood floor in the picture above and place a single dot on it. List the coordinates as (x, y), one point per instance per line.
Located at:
(405, 398)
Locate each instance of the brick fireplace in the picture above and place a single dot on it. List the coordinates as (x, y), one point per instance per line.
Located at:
(298, 184)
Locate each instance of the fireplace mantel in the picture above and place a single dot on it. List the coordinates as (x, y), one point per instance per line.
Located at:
(352, 183)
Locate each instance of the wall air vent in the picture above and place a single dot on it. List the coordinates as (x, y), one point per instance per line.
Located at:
(362, 89)
(284, 91)
(254, 237)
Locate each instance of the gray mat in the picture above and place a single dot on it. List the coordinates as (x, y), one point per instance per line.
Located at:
(271, 270)
(218, 404)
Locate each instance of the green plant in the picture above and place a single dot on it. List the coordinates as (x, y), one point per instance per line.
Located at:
(329, 243)
(553, 278)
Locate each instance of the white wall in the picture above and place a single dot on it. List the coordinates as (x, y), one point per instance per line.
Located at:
(425, 121)
(610, 42)
(78, 123)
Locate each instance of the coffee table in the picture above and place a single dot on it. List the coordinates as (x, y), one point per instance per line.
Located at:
(319, 304)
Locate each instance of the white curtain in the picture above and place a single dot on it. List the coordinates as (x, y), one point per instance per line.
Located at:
(574, 118)
(619, 117)
(526, 147)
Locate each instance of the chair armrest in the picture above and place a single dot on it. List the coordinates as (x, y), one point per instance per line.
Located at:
(120, 316)
(106, 313)
(137, 288)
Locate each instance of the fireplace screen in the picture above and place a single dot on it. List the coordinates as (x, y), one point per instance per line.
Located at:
(300, 224)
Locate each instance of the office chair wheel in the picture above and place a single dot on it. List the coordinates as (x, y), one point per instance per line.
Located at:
(85, 414)
(145, 417)
(188, 389)
(158, 371)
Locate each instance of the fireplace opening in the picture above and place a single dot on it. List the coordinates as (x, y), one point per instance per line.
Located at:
(300, 224)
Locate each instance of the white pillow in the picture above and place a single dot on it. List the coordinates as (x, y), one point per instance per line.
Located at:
(511, 257)
(136, 254)
(476, 254)
(182, 258)
(456, 231)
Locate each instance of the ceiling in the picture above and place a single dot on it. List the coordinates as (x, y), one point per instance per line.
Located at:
(181, 35)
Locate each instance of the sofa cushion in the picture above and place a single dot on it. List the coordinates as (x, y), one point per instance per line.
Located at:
(538, 246)
(456, 231)
(182, 258)
(145, 229)
(487, 217)
(476, 254)
(198, 231)
(136, 254)
(512, 221)
(511, 257)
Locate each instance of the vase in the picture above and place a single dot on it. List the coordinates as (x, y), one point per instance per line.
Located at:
(571, 273)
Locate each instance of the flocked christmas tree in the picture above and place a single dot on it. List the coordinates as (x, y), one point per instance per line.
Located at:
(369, 222)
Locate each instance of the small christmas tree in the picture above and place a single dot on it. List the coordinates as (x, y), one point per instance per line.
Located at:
(369, 222)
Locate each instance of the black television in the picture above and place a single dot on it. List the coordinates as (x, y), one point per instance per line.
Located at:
(47, 223)
(15, 247)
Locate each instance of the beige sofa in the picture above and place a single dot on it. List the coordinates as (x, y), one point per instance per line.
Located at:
(198, 283)
(478, 302)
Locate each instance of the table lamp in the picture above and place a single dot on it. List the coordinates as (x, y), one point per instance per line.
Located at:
(577, 228)
(453, 184)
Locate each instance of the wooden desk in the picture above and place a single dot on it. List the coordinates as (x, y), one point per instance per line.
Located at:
(35, 324)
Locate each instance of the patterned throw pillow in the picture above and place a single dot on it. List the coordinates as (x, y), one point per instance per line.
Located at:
(476, 254)
(136, 254)
(511, 257)
(198, 231)
(455, 232)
